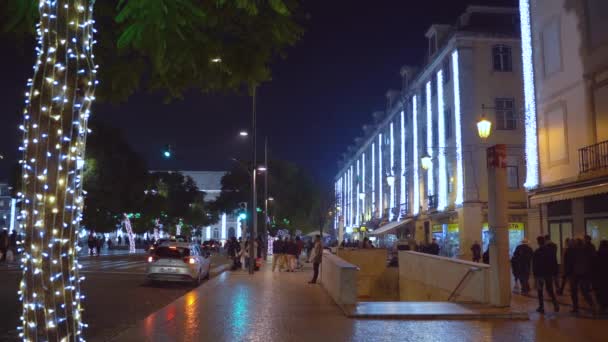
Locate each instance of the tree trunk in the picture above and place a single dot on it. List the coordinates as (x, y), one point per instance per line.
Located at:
(55, 129)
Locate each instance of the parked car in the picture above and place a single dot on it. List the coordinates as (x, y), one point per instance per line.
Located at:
(178, 261)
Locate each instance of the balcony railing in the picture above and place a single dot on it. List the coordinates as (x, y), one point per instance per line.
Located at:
(593, 158)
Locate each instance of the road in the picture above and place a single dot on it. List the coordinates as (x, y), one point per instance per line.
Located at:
(116, 294)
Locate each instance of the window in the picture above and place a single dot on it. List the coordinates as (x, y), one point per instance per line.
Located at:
(551, 42)
(216, 233)
(447, 119)
(501, 55)
(446, 71)
(505, 114)
(512, 177)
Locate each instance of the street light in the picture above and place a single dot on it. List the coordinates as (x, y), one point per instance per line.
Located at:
(271, 199)
(243, 133)
(262, 168)
(426, 162)
(484, 126)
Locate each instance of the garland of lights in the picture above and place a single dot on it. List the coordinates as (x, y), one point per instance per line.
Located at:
(129, 230)
(57, 109)
(416, 201)
(402, 184)
(442, 192)
(458, 130)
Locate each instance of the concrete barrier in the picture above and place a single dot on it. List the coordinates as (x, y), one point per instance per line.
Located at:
(424, 277)
(375, 281)
(339, 278)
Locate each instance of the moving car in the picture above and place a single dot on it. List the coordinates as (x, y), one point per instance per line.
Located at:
(211, 245)
(178, 261)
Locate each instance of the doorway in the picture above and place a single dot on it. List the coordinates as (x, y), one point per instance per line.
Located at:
(559, 231)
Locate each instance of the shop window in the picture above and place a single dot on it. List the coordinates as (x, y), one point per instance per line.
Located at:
(596, 204)
(597, 229)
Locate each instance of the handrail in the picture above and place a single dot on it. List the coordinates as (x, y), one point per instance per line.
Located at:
(466, 275)
(593, 157)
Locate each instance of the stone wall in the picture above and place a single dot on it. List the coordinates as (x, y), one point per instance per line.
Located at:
(339, 278)
(375, 281)
(424, 277)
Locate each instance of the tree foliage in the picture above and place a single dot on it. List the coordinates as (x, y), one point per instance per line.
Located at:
(176, 45)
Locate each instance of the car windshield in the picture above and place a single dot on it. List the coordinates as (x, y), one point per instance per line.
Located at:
(172, 252)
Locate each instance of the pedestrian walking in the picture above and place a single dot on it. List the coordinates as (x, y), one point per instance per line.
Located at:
(91, 244)
(543, 267)
(3, 244)
(521, 261)
(600, 276)
(291, 251)
(309, 246)
(582, 257)
(98, 245)
(433, 248)
(476, 251)
(316, 258)
(486, 256)
(277, 251)
(553, 248)
(300, 245)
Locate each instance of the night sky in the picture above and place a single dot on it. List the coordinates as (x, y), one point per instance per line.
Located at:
(319, 98)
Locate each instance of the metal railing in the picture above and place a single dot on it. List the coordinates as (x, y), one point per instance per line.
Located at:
(593, 157)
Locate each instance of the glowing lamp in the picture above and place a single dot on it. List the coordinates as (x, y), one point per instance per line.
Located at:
(243, 133)
(390, 179)
(361, 195)
(426, 162)
(262, 168)
(484, 127)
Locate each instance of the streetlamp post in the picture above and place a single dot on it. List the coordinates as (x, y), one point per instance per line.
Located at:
(253, 227)
(265, 234)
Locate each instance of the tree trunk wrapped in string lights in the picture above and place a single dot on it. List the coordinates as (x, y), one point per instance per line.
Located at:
(55, 128)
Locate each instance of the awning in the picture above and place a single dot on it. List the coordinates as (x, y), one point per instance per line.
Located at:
(315, 233)
(389, 227)
(567, 194)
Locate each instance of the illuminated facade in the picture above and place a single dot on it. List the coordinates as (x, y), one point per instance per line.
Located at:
(434, 115)
(564, 49)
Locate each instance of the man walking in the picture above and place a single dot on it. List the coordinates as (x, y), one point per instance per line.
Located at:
(277, 253)
(316, 258)
(543, 267)
(476, 250)
(581, 259)
(553, 248)
(522, 256)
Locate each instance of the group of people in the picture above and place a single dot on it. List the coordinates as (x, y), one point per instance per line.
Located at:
(583, 269)
(239, 252)
(366, 243)
(286, 253)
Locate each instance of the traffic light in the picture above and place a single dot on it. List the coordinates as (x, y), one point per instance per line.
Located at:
(242, 211)
(167, 151)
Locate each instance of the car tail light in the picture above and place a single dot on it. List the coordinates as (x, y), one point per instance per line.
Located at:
(190, 260)
(152, 258)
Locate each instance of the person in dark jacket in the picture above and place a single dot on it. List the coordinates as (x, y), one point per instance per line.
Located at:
(522, 257)
(543, 265)
(476, 251)
(581, 259)
(433, 248)
(277, 253)
(486, 256)
(553, 247)
(600, 276)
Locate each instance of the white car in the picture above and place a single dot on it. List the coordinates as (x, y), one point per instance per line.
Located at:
(178, 261)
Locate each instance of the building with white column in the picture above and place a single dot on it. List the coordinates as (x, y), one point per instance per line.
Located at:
(210, 182)
(565, 54)
(426, 160)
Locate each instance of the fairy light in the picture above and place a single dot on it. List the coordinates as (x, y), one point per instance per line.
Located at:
(429, 140)
(380, 177)
(55, 118)
(363, 210)
(224, 236)
(356, 195)
(416, 200)
(129, 229)
(373, 178)
(402, 184)
(458, 130)
(392, 161)
(442, 201)
(532, 176)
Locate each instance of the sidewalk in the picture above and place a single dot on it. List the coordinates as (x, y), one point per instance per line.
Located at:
(283, 307)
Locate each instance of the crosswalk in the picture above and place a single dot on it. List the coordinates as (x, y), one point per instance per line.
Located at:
(95, 266)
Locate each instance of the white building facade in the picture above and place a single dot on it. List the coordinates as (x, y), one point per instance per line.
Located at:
(565, 46)
(383, 190)
(210, 182)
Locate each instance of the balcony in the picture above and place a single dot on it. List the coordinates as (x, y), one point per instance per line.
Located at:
(593, 157)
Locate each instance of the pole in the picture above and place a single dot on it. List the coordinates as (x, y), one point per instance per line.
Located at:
(500, 275)
(254, 217)
(265, 234)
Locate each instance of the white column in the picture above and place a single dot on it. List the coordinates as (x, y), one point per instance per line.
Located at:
(363, 190)
(429, 139)
(458, 129)
(391, 172)
(416, 179)
(442, 191)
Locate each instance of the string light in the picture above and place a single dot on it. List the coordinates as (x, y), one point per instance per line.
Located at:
(442, 192)
(57, 108)
(429, 140)
(458, 130)
(532, 176)
(357, 218)
(380, 178)
(363, 211)
(416, 201)
(392, 161)
(373, 177)
(402, 184)
(130, 234)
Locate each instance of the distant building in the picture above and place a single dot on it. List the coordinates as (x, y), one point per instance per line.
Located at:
(419, 171)
(210, 182)
(565, 45)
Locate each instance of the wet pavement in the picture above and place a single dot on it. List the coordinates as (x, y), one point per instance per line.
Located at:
(284, 307)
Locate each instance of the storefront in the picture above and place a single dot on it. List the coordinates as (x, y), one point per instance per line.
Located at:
(447, 236)
(597, 228)
(516, 235)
